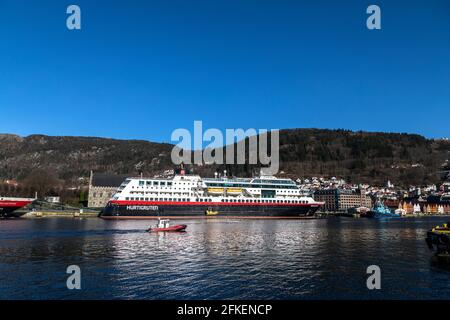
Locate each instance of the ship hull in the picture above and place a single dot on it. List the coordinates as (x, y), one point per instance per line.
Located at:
(8, 208)
(192, 210)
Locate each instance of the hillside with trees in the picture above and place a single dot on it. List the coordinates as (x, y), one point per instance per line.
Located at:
(43, 163)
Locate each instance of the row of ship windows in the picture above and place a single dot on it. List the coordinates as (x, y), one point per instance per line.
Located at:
(161, 183)
(258, 186)
(251, 190)
(164, 188)
(210, 200)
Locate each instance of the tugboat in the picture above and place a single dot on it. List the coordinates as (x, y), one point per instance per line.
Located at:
(439, 238)
(163, 225)
(380, 211)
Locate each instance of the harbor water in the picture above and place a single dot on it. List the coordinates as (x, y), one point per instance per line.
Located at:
(220, 259)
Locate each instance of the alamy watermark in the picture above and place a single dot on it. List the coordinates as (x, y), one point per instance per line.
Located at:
(374, 20)
(74, 280)
(73, 22)
(189, 149)
(374, 280)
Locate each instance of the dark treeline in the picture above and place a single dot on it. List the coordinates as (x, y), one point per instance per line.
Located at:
(405, 159)
(42, 183)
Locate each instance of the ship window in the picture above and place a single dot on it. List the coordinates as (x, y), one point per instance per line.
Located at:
(169, 183)
(156, 183)
(127, 198)
(163, 183)
(141, 183)
(146, 199)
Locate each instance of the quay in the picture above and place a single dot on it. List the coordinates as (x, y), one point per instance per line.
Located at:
(61, 213)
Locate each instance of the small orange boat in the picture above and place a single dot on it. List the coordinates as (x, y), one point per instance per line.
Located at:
(163, 225)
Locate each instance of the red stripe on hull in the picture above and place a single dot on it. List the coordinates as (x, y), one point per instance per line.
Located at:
(18, 204)
(203, 217)
(206, 204)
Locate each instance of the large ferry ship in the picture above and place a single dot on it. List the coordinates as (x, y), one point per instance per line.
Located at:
(193, 196)
(9, 205)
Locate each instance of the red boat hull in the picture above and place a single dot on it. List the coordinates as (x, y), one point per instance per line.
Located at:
(8, 206)
(180, 227)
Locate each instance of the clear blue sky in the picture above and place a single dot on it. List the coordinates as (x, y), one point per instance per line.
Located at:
(140, 69)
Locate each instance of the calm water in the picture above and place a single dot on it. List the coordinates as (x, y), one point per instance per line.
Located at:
(228, 259)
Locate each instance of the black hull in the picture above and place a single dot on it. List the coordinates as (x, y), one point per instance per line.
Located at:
(11, 212)
(199, 211)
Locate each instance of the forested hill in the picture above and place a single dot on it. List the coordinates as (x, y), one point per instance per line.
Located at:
(74, 157)
(364, 156)
(355, 156)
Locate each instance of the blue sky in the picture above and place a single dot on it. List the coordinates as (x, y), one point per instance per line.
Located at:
(140, 69)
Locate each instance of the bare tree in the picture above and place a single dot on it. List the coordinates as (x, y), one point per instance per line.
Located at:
(41, 181)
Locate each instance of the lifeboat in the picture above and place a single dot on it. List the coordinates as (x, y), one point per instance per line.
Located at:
(215, 190)
(163, 225)
(234, 191)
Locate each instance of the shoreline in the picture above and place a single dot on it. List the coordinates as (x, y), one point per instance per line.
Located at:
(77, 214)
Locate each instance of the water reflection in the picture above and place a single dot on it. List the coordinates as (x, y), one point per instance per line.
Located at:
(219, 259)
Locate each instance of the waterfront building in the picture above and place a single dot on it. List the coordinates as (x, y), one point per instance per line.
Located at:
(102, 187)
(342, 199)
(438, 204)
